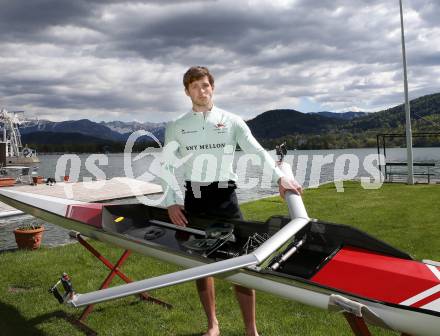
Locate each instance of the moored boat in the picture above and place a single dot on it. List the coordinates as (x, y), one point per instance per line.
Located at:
(12, 151)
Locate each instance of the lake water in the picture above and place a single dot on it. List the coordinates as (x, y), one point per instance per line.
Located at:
(311, 168)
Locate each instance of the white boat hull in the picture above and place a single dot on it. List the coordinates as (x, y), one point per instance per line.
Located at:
(398, 318)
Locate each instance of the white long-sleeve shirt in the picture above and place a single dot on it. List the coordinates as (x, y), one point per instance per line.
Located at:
(205, 144)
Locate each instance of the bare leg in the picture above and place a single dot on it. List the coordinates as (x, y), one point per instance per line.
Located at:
(206, 290)
(246, 300)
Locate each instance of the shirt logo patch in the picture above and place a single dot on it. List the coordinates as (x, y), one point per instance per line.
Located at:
(220, 128)
(187, 132)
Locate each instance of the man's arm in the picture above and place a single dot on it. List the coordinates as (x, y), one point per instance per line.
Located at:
(289, 184)
(249, 144)
(176, 215)
(174, 210)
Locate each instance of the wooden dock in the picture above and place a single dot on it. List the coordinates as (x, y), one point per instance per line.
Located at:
(93, 191)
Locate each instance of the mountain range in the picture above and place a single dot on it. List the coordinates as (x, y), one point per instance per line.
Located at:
(268, 127)
(85, 130)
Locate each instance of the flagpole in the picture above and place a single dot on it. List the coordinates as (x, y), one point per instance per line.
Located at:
(409, 151)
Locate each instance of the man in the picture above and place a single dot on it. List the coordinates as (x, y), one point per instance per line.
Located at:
(207, 136)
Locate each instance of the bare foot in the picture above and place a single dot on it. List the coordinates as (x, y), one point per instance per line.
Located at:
(213, 331)
(253, 332)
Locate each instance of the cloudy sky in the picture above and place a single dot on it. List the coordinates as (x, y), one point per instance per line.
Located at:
(124, 60)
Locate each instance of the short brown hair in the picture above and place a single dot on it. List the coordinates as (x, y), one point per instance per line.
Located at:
(195, 73)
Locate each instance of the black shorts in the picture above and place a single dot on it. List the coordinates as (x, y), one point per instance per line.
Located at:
(215, 199)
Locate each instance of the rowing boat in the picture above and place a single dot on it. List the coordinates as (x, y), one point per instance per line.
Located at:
(325, 265)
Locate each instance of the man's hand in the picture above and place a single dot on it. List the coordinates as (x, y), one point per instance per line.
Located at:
(176, 214)
(286, 184)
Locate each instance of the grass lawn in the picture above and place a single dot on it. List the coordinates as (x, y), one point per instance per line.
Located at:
(407, 217)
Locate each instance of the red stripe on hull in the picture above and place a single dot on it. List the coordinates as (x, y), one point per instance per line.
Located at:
(376, 276)
(90, 213)
(427, 300)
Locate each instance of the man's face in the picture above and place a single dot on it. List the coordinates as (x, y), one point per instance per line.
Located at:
(200, 92)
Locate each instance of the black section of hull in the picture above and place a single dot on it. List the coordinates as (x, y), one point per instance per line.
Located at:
(323, 239)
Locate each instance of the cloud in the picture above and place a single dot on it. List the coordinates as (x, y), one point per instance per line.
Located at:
(108, 60)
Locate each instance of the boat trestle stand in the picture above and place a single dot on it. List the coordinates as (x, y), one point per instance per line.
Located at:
(358, 325)
(114, 270)
(356, 315)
